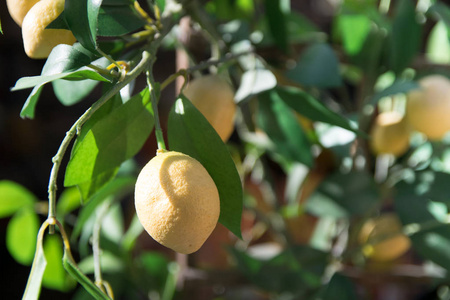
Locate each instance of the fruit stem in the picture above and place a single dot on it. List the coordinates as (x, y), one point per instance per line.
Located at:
(154, 99)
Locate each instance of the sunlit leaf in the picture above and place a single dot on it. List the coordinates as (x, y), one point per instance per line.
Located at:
(21, 235)
(354, 29)
(14, 197)
(189, 132)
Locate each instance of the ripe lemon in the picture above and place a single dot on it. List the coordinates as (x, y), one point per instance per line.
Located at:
(19, 8)
(383, 239)
(428, 108)
(38, 41)
(177, 201)
(214, 98)
(389, 134)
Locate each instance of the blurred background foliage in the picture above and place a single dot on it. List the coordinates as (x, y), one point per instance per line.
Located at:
(316, 76)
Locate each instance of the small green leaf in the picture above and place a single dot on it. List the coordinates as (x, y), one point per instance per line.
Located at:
(161, 5)
(82, 17)
(30, 104)
(115, 20)
(438, 45)
(34, 282)
(69, 200)
(21, 235)
(55, 277)
(276, 23)
(406, 36)
(190, 133)
(65, 58)
(134, 231)
(109, 264)
(14, 197)
(111, 141)
(1, 30)
(283, 128)
(354, 29)
(318, 66)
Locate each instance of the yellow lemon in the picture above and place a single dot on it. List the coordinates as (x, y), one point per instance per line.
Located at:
(382, 238)
(389, 134)
(214, 98)
(19, 8)
(38, 41)
(177, 201)
(428, 108)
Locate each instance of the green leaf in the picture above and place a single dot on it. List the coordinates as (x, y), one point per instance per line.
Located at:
(190, 133)
(72, 268)
(339, 287)
(438, 45)
(318, 66)
(69, 200)
(442, 11)
(55, 277)
(111, 141)
(1, 30)
(65, 58)
(343, 195)
(115, 20)
(398, 87)
(14, 197)
(161, 5)
(309, 107)
(109, 264)
(283, 128)
(21, 235)
(82, 17)
(88, 188)
(134, 231)
(406, 36)
(33, 288)
(431, 239)
(276, 23)
(72, 92)
(119, 186)
(354, 29)
(30, 104)
(59, 23)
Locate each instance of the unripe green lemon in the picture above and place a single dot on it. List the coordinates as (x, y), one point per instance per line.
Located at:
(19, 8)
(389, 134)
(38, 41)
(428, 108)
(177, 201)
(382, 238)
(214, 98)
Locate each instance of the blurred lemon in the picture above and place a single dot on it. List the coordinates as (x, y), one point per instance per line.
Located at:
(389, 134)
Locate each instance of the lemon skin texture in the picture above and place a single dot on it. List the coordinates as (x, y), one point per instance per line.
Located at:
(428, 108)
(383, 239)
(38, 41)
(177, 201)
(214, 98)
(390, 134)
(19, 8)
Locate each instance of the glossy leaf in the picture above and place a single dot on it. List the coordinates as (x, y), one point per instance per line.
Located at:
(111, 141)
(116, 20)
(311, 108)
(33, 287)
(72, 92)
(82, 17)
(406, 36)
(14, 197)
(69, 200)
(276, 23)
(318, 66)
(254, 82)
(278, 121)
(189, 132)
(21, 235)
(55, 277)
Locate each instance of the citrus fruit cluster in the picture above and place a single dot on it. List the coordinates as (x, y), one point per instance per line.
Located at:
(34, 16)
(427, 111)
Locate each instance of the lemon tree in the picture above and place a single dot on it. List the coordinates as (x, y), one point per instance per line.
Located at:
(232, 149)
